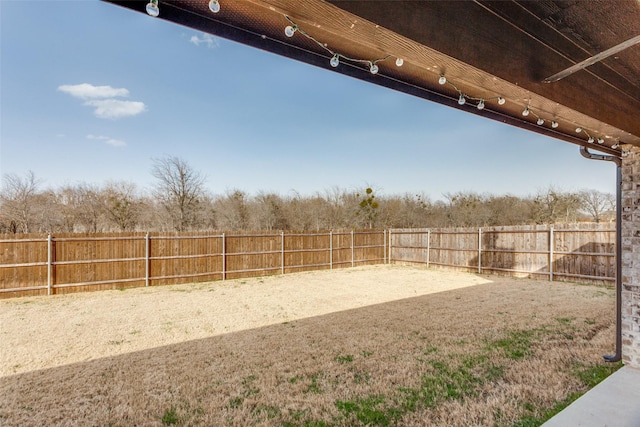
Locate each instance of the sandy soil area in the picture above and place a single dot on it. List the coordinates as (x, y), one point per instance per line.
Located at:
(44, 332)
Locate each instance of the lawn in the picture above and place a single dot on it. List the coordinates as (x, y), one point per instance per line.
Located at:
(381, 346)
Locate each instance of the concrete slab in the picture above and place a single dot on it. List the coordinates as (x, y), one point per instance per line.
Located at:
(615, 402)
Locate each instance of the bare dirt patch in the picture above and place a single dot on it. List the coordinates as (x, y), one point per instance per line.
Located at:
(378, 345)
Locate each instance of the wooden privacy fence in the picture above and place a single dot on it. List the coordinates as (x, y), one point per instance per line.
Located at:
(584, 252)
(44, 264)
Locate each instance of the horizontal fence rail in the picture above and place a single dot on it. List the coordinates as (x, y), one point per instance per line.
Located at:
(46, 265)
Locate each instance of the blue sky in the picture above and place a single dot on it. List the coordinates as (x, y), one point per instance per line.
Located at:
(91, 92)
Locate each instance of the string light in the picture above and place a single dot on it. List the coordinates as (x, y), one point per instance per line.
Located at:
(591, 139)
(292, 29)
(152, 8)
(336, 57)
(214, 6)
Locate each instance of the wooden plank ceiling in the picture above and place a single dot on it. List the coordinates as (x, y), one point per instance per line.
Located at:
(485, 49)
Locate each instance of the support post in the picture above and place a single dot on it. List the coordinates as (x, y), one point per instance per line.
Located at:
(224, 257)
(282, 252)
(551, 256)
(49, 263)
(147, 260)
(384, 245)
(352, 249)
(331, 250)
(428, 247)
(479, 250)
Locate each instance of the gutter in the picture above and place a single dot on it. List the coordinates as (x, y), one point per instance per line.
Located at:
(584, 151)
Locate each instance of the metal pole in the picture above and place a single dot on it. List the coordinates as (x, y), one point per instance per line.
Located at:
(49, 262)
(352, 250)
(428, 247)
(224, 257)
(147, 261)
(331, 250)
(384, 245)
(479, 250)
(551, 256)
(282, 252)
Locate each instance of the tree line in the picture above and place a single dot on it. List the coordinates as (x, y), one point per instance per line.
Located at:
(179, 201)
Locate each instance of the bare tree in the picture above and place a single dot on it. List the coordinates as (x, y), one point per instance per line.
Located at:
(122, 204)
(18, 202)
(180, 189)
(553, 206)
(232, 211)
(597, 205)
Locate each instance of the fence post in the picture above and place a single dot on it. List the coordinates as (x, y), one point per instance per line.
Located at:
(49, 262)
(330, 249)
(224, 257)
(147, 260)
(551, 253)
(282, 252)
(428, 247)
(390, 257)
(352, 250)
(384, 245)
(479, 250)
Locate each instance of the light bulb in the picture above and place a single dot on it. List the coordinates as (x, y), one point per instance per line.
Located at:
(462, 99)
(578, 130)
(373, 68)
(600, 141)
(335, 60)
(615, 146)
(540, 121)
(399, 62)
(590, 140)
(501, 100)
(554, 124)
(214, 6)
(153, 9)
(481, 104)
(442, 80)
(289, 31)
(525, 112)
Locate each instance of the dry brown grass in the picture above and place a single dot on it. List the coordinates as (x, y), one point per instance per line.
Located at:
(484, 355)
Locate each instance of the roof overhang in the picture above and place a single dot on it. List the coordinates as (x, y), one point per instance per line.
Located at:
(485, 50)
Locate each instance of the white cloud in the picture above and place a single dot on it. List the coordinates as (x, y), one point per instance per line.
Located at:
(107, 140)
(103, 99)
(115, 108)
(89, 91)
(205, 39)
